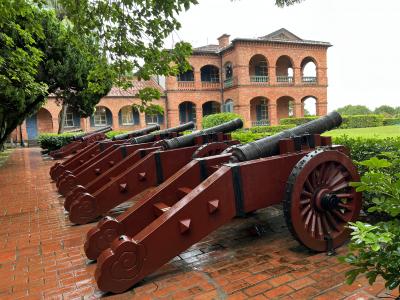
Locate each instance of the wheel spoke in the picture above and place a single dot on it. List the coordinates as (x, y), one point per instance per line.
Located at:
(340, 186)
(340, 177)
(327, 172)
(309, 186)
(325, 225)
(346, 206)
(319, 226)
(306, 194)
(307, 221)
(305, 201)
(322, 169)
(306, 210)
(338, 215)
(344, 196)
(313, 222)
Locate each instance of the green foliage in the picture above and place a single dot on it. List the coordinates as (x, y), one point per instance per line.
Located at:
(391, 121)
(270, 129)
(43, 55)
(113, 133)
(258, 132)
(349, 110)
(54, 141)
(361, 121)
(385, 110)
(297, 121)
(218, 119)
(375, 249)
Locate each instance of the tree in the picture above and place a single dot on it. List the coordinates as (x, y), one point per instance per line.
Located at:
(354, 110)
(41, 55)
(385, 110)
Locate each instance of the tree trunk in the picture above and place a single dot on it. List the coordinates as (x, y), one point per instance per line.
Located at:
(20, 136)
(61, 122)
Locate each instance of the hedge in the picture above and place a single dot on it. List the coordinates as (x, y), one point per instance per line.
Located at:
(54, 141)
(362, 121)
(297, 121)
(355, 121)
(218, 119)
(113, 133)
(391, 121)
(270, 129)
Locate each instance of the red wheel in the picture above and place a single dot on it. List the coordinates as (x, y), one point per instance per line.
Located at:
(319, 201)
(210, 149)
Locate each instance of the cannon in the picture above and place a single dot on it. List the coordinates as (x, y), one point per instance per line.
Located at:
(105, 160)
(79, 142)
(93, 150)
(298, 168)
(144, 169)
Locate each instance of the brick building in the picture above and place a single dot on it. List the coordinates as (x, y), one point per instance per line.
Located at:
(263, 79)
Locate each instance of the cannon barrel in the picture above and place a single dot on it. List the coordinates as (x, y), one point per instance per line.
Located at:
(138, 132)
(151, 137)
(83, 134)
(269, 146)
(89, 134)
(188, 140)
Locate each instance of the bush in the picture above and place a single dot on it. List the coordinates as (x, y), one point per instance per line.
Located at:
(374, 249)
(391, 121)
(113, 133)
(54, 141)
(270, 129)
(217, 119)
(362, 121)
(297, 121)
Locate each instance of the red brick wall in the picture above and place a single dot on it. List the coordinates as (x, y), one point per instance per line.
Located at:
(244, 90)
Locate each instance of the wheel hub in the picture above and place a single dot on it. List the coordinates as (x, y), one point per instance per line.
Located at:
(326, 201)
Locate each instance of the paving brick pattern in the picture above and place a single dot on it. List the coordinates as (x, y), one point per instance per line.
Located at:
(41, 253)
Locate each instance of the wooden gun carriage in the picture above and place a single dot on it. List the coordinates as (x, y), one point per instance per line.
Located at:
(297, 167)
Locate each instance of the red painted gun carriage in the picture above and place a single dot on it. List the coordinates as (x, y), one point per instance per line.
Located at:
(297, 167)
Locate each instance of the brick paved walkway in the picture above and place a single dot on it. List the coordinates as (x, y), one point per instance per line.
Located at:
(41, 253)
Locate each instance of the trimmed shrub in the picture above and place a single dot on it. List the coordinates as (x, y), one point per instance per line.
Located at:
(362, 121)
(297, 121)
(391, 121)
(218, 119)
(54, 141)
(270, 129)
(113, 133)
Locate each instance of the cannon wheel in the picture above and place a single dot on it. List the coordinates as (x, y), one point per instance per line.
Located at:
(319, 202)
(210, 149)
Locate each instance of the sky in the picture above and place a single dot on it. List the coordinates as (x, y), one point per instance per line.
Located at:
(364, 62)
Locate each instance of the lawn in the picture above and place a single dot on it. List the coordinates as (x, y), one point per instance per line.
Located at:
(371, 132)
(4, 156)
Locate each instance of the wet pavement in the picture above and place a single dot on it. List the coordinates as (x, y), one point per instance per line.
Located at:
(41, 253)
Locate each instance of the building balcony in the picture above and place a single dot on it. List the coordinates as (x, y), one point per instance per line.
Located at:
(284, 79)
(309, 80)
(228, 83)
(264, 122)
(186, 85)
(259, 79)
(211, 84)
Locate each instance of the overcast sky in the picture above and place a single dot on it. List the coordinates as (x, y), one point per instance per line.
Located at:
(364, 62)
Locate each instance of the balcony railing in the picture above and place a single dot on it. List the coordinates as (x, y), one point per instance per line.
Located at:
(259, 78)
(309, 80)
(211, 84)
(284, 79)
(260, 123)
(187, 85)
(228, 82)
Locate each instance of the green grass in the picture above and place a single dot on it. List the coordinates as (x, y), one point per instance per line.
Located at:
(4, 156)
(371, 132)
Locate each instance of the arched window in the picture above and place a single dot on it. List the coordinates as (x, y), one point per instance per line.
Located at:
(186, 76)
(211, 107)
(259, 111)
(258, 68)
(128, 116)
(284, 70)
(187, 112)
(309, 106)
(228, 106)
(102, 117)
(285, 107)
(72, 118)
(209, 73)
(308, 71)
(154, 119)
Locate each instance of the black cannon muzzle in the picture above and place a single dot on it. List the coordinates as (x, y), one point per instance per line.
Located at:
(136, 133)
(151, 137)
(188, 140)
(269, 146)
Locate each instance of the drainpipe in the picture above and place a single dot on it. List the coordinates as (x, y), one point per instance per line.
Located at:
(222, 85)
